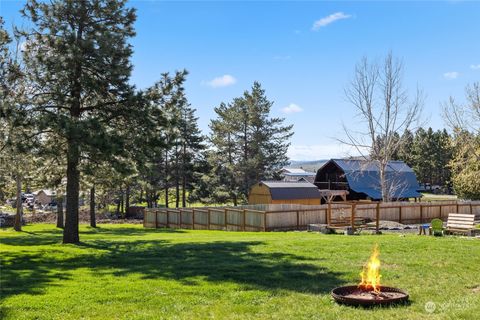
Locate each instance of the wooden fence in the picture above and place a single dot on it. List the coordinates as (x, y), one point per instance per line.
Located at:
(298, 217)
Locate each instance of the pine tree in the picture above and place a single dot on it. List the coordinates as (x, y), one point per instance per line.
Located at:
(405, 151)
(77, 56)
(248, 145)
(159, 141)
(191, 145)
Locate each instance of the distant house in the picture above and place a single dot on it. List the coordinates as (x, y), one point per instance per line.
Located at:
(297, 174)
(281, 192)
(45, 196)
(361, 178)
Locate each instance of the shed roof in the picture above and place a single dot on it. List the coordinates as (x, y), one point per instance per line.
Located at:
(363, 176)
(299, 174)
(292, 190)
(292, 170)
(46, 191)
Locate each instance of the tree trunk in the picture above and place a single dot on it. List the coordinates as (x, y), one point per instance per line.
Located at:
(166, 179)
(18, 217)
(147, 198)
(59, 211)
(122, 204)
(184, 191)
(166, 196)
(184, 176)
(383, 183)
(177, 179)
(118, 206)
(127, 199)
(70, 233)
(93, 222)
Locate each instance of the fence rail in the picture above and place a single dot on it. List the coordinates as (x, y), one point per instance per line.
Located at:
(298, 217)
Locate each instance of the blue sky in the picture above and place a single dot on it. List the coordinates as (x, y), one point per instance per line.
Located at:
(304, 54)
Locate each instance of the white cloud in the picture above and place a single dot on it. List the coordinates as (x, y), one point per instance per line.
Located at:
(320, 152)
(475, 66)
(292, 108)
(325, 21)
(451, 75)
(222, 81)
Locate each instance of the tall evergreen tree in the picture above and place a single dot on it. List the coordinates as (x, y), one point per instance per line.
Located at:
(248, 144)
(163, 99)
(189, 151)
(77, 55)
(405, 151)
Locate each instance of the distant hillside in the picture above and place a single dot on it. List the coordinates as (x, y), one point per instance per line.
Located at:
(312, 166)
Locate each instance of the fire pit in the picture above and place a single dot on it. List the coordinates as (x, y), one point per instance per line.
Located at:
(355, 296)
(369, 292)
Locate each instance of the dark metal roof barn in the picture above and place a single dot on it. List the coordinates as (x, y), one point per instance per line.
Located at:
(362, 179)
(292, 190)
(281, 192)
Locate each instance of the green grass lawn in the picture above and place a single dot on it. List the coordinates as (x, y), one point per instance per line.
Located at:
(438, 197)
(127, 272)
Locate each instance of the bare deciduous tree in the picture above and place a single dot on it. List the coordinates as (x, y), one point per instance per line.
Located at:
(385, 109)
(465, 118)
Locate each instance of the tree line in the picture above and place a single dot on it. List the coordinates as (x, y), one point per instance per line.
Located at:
(71, 120)
(441, 159)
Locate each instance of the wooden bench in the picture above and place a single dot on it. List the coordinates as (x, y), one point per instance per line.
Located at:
(461, 223)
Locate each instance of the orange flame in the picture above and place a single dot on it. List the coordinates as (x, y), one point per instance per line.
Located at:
(371, 272)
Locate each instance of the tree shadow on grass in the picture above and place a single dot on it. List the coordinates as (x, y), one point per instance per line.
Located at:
(218, 262)
(55, 236)
(128, 231)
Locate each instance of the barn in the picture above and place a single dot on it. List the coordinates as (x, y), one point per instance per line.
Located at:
(361, 178)
(280, 192)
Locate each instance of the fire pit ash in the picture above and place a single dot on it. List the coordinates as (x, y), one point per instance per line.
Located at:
(369, 292)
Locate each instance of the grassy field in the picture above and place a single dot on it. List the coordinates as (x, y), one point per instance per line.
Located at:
(127, 272)
(438, 197)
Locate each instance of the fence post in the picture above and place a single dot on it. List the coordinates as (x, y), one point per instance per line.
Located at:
(243, 222)
(329, 213)
(352, 218)
(377, 222)
(156, 219)
(298, 220)
(168, 219)
(400, 215)
(193, 219)
(421, 213)
(457, 207)
(208, 219)
(471, 209)
(440, 213)
(180, 217)
(225, 218)
(264, 220)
